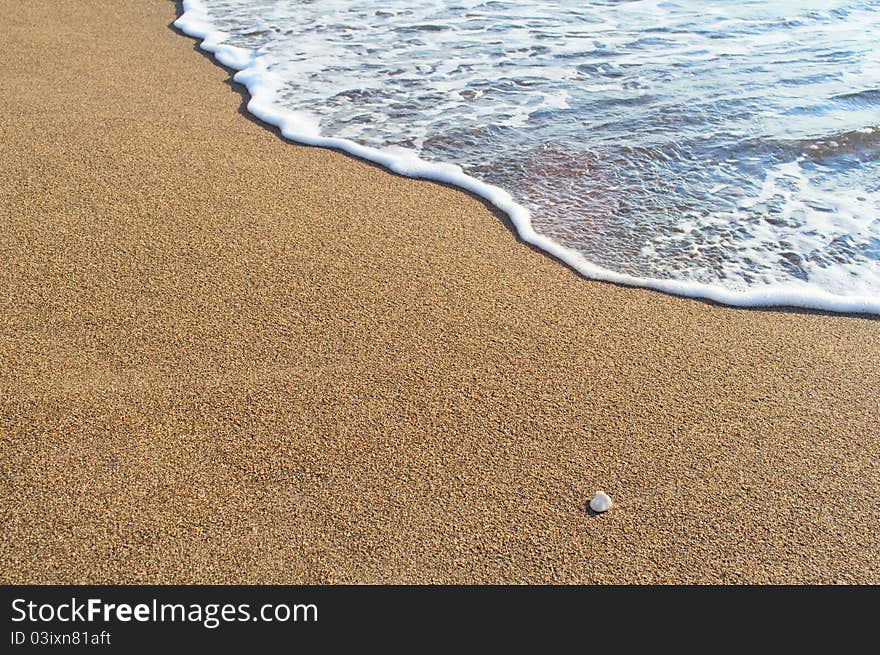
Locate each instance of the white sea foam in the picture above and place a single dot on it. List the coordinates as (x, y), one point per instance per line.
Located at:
(265, 81)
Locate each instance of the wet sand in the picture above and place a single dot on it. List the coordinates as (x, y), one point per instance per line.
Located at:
(225, 359)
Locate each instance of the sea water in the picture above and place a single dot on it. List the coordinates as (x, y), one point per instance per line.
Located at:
(725, 149)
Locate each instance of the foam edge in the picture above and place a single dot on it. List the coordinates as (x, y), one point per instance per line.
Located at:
(302, 128)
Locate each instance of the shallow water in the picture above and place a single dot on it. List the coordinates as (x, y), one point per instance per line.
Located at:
(734, 144)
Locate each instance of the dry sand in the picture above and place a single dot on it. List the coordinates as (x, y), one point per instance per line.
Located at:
(226, 358)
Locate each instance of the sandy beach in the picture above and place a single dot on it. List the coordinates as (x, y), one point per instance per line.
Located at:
(225, 358)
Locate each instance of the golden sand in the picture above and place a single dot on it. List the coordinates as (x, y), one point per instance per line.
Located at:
(225, 358)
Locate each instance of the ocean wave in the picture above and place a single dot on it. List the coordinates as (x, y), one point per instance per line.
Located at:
(784, 224)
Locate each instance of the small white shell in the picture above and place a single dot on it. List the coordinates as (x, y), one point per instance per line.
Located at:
(601, 502)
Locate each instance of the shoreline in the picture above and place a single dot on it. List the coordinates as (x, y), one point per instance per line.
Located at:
(297, 127)
(225, 358)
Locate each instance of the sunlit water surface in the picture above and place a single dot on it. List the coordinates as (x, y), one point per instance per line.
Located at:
(728, 142)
